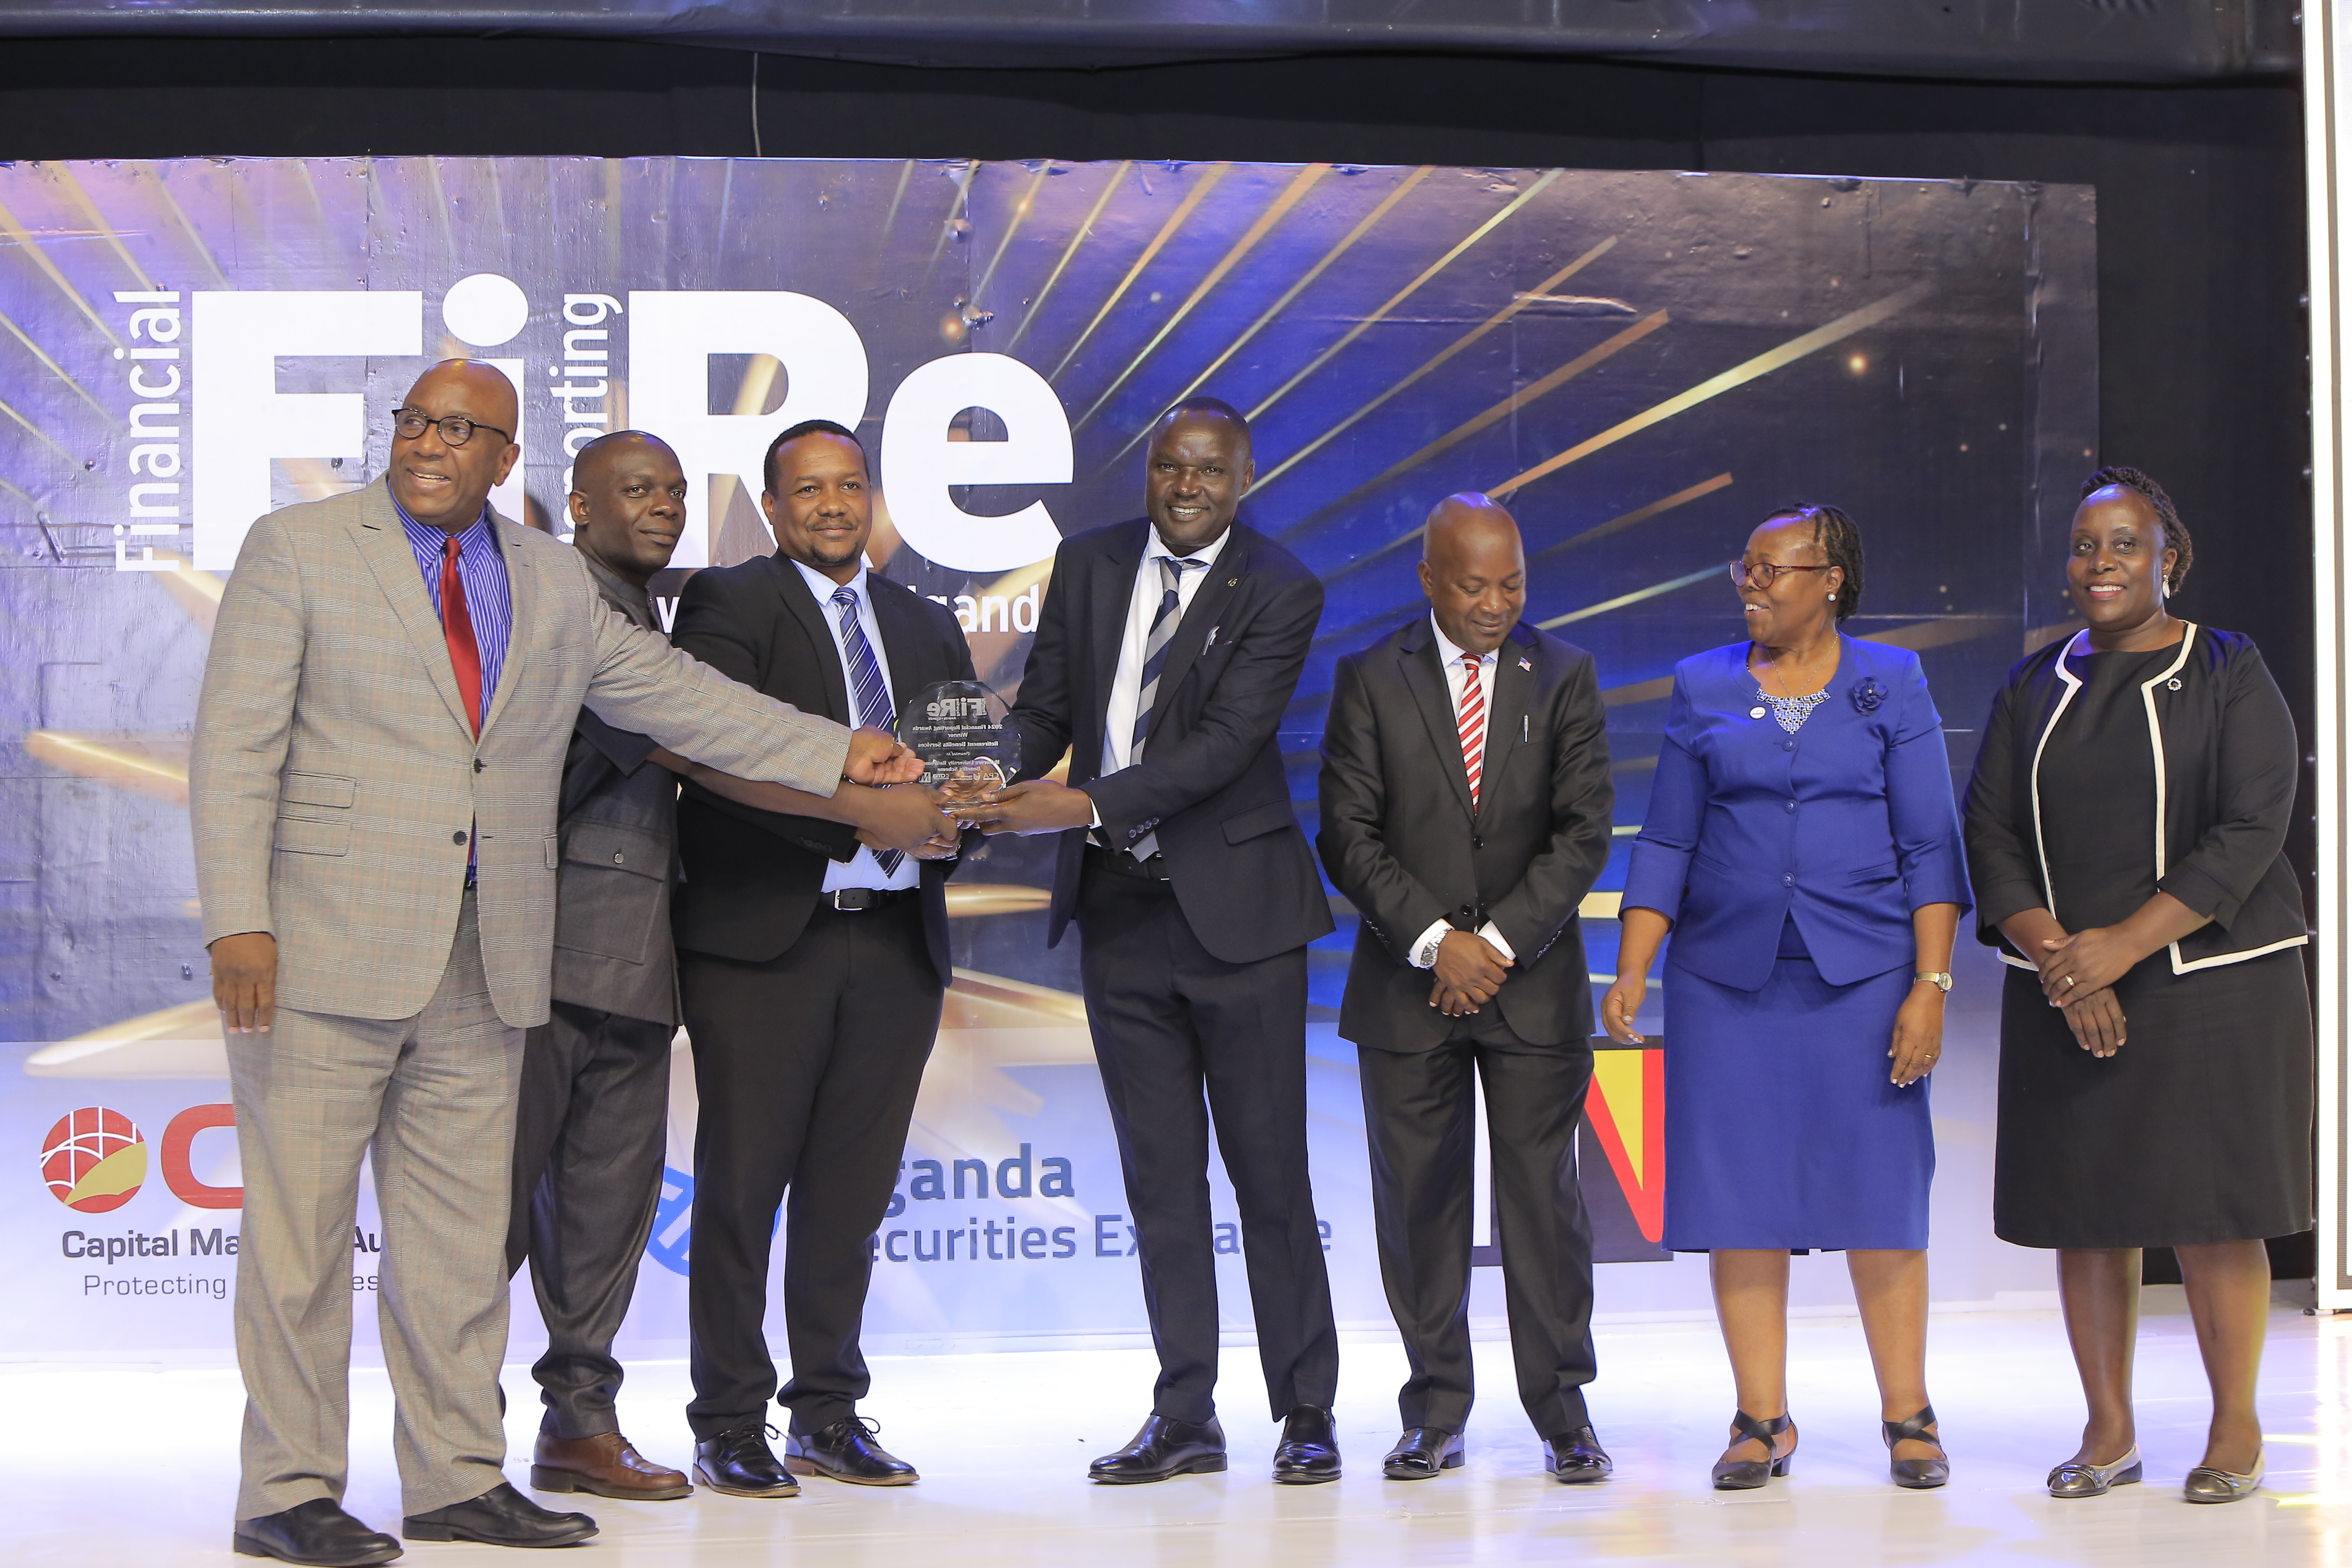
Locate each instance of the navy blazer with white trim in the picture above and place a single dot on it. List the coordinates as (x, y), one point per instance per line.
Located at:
(2226, 761)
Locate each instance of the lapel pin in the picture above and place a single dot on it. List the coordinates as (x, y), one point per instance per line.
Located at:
(1233, 582)
(1525, 665)
(1756, 711)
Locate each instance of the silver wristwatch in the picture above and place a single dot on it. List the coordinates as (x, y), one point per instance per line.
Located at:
(1942, 978)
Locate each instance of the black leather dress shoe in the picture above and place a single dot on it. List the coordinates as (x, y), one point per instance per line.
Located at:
(1421, 1452)
(1309, 1450)
(1576, 1456)
(846, 1451)
(1162, 1449)
(740, 1463)
(318, 1533)
(499, 1517)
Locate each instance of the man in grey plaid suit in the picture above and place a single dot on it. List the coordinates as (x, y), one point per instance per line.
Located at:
(394, 679)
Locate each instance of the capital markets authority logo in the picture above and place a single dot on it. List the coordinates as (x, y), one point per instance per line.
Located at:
(94, 1160)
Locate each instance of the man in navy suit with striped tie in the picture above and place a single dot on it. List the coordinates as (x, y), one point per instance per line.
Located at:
(813, 961)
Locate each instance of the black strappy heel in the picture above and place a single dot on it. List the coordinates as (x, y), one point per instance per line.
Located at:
(1745, 1475)
(1919, 1475)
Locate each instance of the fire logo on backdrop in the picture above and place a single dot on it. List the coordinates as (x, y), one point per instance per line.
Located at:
(1639, 364)
(94, 1160)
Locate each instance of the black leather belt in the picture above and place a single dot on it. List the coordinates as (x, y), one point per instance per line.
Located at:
(850, 900)
(1152, 868)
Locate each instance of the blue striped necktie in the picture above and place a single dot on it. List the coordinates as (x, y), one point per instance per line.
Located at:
(869, 697)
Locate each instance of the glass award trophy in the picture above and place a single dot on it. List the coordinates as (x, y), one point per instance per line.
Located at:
(957, 727)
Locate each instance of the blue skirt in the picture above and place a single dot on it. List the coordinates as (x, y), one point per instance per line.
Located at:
(1781, 1128)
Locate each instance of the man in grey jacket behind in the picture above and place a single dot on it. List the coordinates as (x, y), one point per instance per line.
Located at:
(590, 1124)
(593, 1119)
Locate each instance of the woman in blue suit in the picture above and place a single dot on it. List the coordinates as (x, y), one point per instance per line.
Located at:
(1802, 846)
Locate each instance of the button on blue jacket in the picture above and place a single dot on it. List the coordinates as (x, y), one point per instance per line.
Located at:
(1848, 825)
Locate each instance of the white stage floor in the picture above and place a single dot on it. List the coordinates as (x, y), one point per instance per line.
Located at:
(110, 1465)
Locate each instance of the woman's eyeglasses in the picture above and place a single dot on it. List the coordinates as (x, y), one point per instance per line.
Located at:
(1762, 574)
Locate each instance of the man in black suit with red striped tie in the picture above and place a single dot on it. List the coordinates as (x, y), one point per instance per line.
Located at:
(1466, 800)
(1167, 649)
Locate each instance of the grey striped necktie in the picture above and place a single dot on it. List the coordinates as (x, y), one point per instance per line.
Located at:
(1164, 621)
(1156, 642)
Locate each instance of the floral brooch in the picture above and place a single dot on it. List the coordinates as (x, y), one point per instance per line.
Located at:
(1867, 694)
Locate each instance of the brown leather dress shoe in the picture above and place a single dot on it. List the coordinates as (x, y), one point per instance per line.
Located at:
(608, 1465)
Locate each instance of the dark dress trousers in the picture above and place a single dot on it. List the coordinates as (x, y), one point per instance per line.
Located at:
(1402, 840)
(593, 1116)
(810, 1025)
(1194, 964)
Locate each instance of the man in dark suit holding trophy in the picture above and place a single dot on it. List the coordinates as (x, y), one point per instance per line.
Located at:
(1167, 649)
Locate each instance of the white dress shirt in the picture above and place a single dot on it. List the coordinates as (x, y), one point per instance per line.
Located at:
(1457, 677)
(861, 869)
(1143, 603)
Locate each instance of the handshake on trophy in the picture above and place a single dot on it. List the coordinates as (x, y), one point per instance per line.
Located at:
(952, 751)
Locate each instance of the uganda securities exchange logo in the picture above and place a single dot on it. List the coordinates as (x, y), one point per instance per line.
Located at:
(94, 1160)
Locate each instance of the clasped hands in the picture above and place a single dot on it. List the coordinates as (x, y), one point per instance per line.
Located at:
(2079, 972)
(1467, 973)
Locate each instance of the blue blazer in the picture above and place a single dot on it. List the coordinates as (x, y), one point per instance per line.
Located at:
(1847, 825)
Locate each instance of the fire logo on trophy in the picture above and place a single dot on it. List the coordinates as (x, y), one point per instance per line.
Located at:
(94, 1160)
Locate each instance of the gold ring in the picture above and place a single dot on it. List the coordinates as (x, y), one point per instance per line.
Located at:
(2070, 980)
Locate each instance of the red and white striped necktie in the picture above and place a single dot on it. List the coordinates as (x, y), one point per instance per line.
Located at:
(1474, 724)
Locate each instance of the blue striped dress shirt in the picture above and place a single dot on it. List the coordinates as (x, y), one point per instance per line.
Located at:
(489, 604)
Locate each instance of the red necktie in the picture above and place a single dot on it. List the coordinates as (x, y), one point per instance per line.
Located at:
(457, 630)
(1474, 724)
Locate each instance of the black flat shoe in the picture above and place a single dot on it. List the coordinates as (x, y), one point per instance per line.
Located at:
(1308, 1453)
(318, 1532)
(1746, 1474)
(499, 1517)
(1919, 1475)
(846, 1451)
(740, 1463)
(1421, 1452)
(1575, 1458)
(1162, 1449)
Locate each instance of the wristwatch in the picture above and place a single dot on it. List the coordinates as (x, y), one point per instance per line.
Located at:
(1942, 978)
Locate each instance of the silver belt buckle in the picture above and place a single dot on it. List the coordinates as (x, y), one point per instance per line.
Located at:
(850, 900)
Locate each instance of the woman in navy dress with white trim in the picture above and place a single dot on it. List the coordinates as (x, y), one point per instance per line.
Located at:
(1801, 846)
(2126, 826)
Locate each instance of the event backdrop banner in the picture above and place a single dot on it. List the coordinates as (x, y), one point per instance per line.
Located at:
(1642, 364)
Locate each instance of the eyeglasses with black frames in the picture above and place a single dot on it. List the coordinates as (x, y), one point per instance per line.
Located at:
(409, 424)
